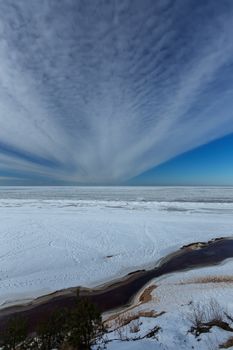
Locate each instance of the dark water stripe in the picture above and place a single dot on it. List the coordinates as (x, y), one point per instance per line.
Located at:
(120, 293)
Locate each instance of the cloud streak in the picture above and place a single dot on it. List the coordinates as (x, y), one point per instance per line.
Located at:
(101, 92)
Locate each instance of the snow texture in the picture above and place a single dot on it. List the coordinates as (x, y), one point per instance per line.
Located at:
(49, 241)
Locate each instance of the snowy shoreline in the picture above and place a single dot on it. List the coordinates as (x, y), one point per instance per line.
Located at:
(27, 304)
(53, 239)
(49, 245)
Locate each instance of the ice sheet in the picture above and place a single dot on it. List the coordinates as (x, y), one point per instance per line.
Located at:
(55, 240)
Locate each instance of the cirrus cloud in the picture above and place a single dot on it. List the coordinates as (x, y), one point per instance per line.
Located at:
(99, 92)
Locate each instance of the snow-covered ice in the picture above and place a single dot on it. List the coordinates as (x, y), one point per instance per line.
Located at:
(53, 238)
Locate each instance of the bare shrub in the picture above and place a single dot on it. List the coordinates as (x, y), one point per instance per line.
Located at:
(214, 311)
(205, 316)
(126, 324)
(228, 317)
(202, 313)
(124, 319)
(196, 316)
(121, 326)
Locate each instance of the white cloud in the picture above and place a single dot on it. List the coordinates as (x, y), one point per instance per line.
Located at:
(107, 92)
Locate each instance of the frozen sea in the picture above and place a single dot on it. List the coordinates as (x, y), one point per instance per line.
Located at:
(57, 237)
(129, 194)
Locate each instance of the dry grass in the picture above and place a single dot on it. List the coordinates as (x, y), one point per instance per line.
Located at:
(125, 318)
(129, 323)
(210, 279)
(150, 313)
(146, 296)
(227, 344)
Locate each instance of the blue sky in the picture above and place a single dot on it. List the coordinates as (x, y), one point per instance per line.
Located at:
(210, 164)
(113, 92)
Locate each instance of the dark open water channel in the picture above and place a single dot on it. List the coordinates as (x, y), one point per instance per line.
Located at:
(120, 293)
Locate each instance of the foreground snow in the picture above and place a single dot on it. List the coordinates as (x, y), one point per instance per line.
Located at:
(46, 245)
(173, 300)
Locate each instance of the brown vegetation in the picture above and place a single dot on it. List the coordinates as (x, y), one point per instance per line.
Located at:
(146, 296)
(209, 279)
(227, 344)
(204, 317)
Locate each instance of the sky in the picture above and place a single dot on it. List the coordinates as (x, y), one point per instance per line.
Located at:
(116, 92)
(208, 165)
